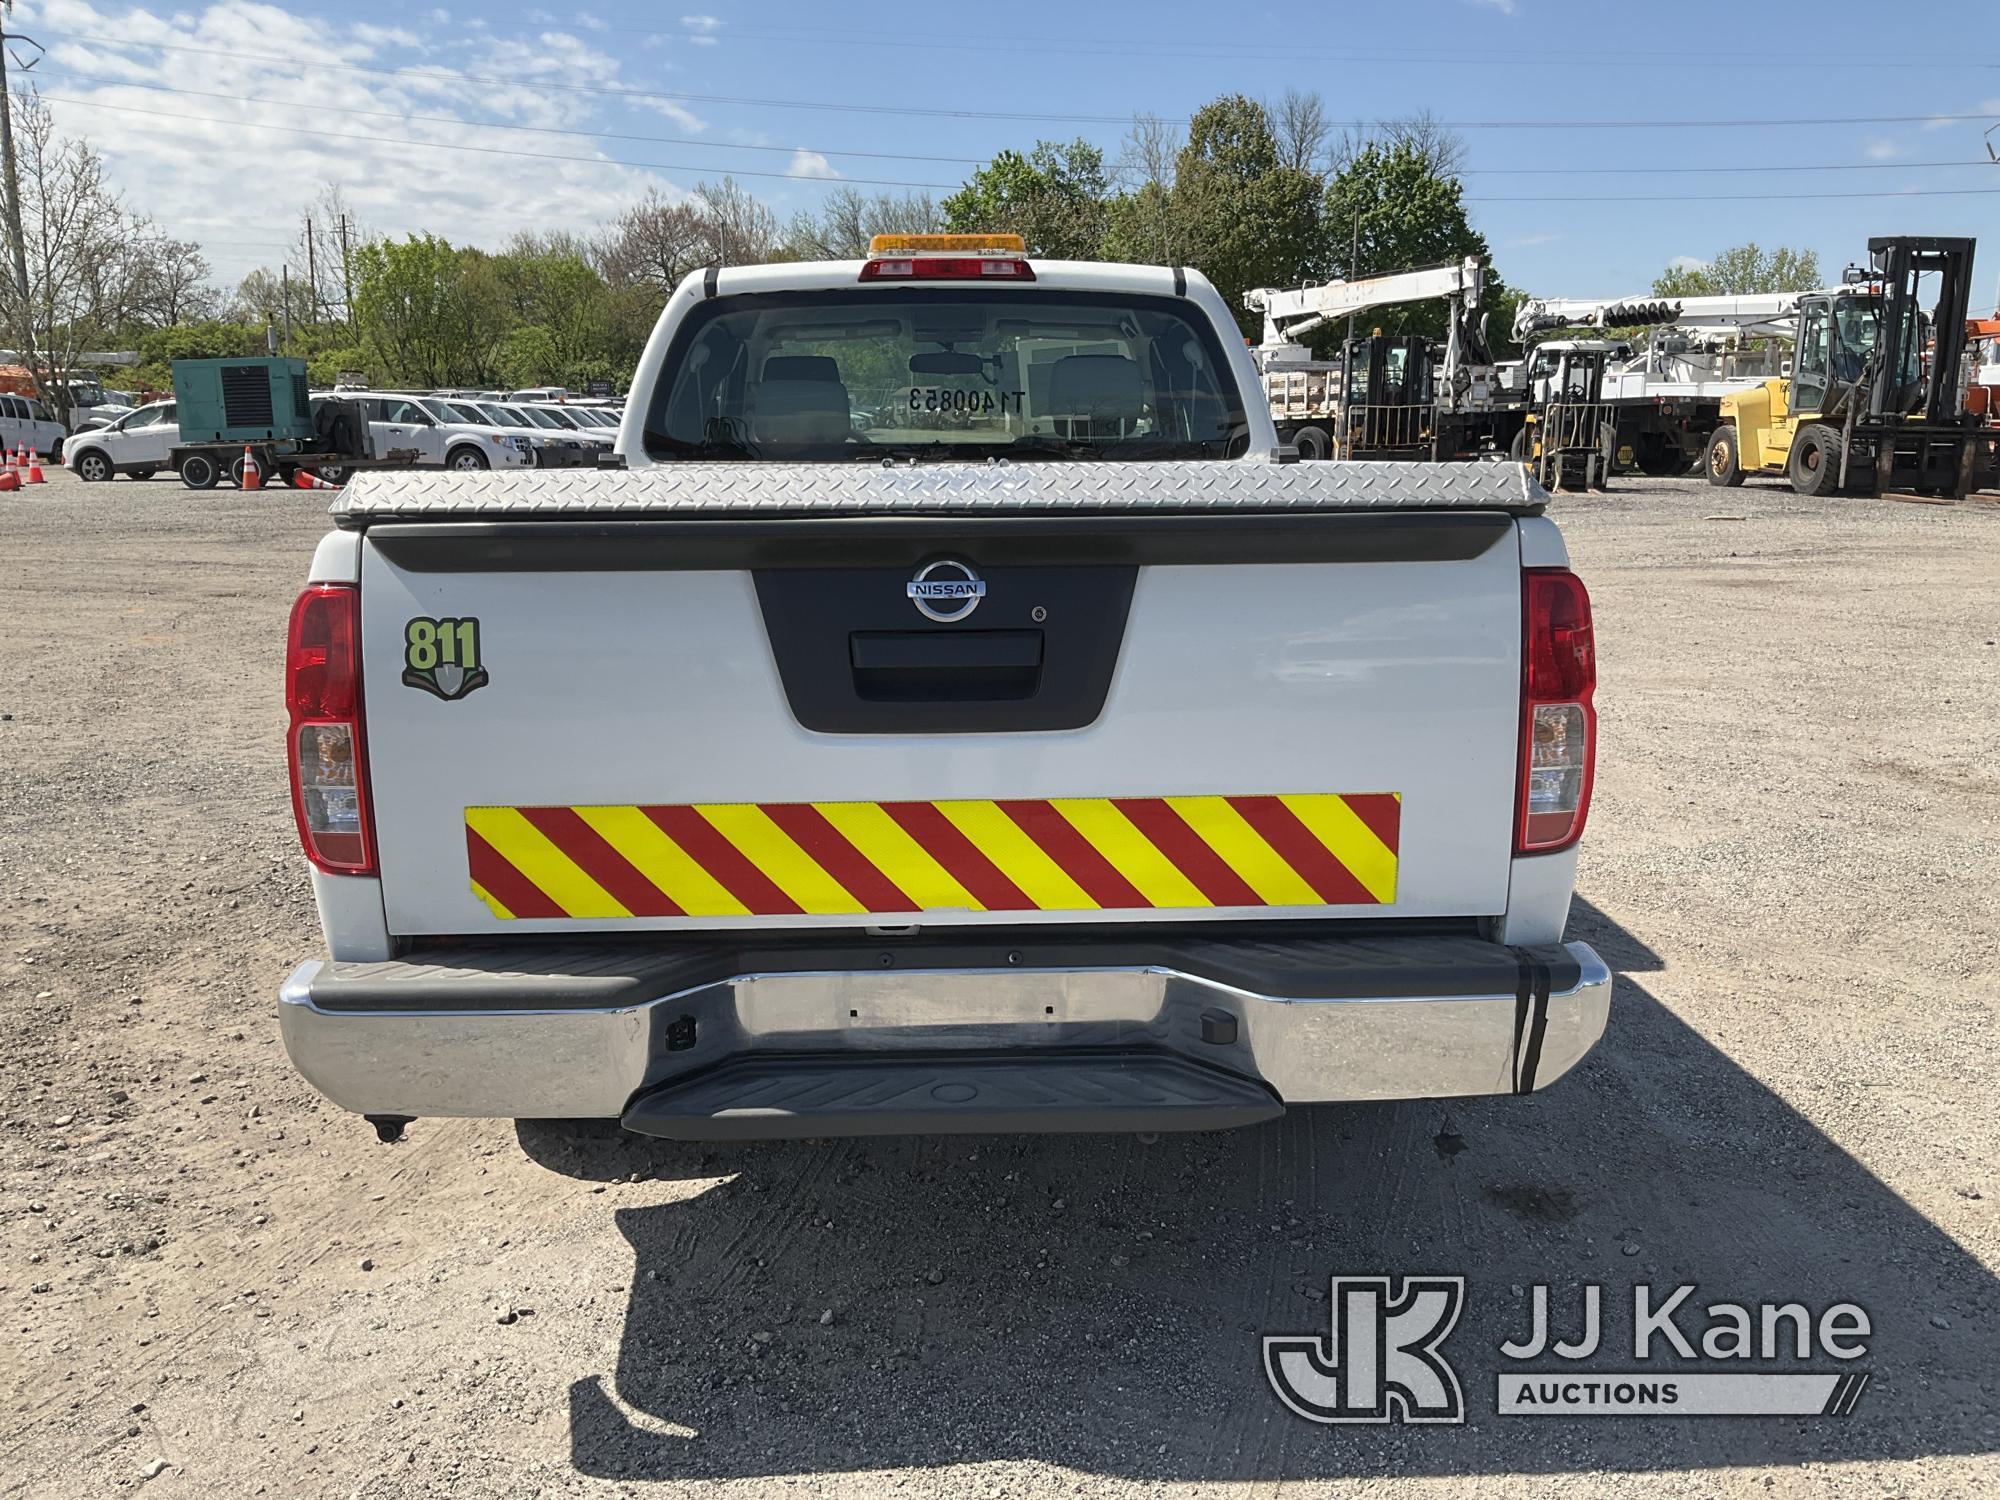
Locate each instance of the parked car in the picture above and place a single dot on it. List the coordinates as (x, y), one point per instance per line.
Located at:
(96, 418)
(472, 440)
(540, 393)
(562, 419)
(408, 424)
(552, 449)
(26, 423)
(549, 419)
(136, 444)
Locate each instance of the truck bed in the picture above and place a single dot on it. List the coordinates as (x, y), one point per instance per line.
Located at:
(862, 489)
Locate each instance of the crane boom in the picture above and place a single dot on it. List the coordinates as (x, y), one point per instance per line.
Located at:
(1756, 315)
(1289, 315)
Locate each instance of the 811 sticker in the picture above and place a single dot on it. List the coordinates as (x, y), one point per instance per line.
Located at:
(441, 656)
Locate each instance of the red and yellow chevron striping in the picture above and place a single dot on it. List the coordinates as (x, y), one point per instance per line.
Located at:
(1069, 854)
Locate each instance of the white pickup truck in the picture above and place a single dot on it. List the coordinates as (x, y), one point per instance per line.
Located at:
(957, 715)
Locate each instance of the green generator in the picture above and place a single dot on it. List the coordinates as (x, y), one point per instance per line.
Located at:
(247, 400)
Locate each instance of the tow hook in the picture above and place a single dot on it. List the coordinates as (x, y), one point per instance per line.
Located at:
(389, 1128)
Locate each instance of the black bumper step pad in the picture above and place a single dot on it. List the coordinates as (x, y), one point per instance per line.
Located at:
(770, 1098)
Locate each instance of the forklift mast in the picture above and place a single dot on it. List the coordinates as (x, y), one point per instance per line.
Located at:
(1900, 262)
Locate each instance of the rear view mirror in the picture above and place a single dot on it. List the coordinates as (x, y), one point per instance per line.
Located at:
(946, 363)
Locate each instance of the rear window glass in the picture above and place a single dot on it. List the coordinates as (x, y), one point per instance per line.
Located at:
(945, 373)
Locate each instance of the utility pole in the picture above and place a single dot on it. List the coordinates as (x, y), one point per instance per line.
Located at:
(346, 277)
(312, 270)
(285, 295)
(16, 241)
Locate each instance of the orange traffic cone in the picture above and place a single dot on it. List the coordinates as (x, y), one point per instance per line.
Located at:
(253, 477)
(9, 480)
(305, 479)
(14, 458)
(35, 467)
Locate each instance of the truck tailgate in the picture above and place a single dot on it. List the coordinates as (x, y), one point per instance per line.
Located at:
(627, 721)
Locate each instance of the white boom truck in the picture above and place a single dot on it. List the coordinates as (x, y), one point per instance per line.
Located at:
(954, 717)
(1388, 396)
(1666, 398)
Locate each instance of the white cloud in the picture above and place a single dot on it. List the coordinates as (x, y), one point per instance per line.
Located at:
(1942, 122)
(185, 160)
(806, 163)
(1687, 263)
(1881, 150)
(1505, 7)
(668, 109)
(702, 29)
(1521, 241)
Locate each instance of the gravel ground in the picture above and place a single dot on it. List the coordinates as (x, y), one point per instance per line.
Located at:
(213, 1284)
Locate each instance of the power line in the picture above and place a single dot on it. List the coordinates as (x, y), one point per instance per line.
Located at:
(1760, 167)
(1127, 47)
(515, 84)
(876, 182)
(403, 140)
(1746, 197)
(969, 161)
(630, 95)
(605, 135)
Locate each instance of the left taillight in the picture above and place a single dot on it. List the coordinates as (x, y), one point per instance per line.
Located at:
(326, 746)
(1558, 719)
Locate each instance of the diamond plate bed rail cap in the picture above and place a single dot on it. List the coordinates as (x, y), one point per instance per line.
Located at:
(722, 490)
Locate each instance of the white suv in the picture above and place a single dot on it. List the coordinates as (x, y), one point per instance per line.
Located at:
(430, 434)
(472, 441)
(135, 444)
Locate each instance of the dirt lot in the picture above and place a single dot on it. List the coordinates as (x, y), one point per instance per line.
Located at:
(212, 1284)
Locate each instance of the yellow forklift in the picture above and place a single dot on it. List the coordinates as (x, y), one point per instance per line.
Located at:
(1872, 405)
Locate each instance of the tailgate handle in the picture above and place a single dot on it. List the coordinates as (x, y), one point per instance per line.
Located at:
(945, 666)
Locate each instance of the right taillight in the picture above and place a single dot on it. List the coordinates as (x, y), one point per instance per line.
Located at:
(326, 748)
(1558, 722)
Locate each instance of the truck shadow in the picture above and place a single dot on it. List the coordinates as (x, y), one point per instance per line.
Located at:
(1096, 1303)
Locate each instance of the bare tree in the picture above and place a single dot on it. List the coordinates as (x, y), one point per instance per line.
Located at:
(168, 282)
(849, 218)
(1151, 154)
(261, 297)
(745, 232)
(655, 243)
(1441, 149)
(1300, 123)
(75, 232)
(327, 232)
(1142, 223)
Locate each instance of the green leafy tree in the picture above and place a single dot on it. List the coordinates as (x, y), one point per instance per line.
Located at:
(557, 291)
(1391, 208)
(429, 313)
(1742, 270)
(1053, 198)
(1248, 219)
(325, 366)
(528, 355)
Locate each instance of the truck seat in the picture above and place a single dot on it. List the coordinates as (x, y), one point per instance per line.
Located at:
(801, 400)
(1096, 395)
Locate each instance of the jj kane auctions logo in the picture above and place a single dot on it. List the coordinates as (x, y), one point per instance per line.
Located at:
(1382, 1359)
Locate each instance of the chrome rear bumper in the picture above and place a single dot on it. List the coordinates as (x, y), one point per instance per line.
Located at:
(1193, 1040)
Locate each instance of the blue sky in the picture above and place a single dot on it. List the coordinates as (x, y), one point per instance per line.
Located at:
(713, 87)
